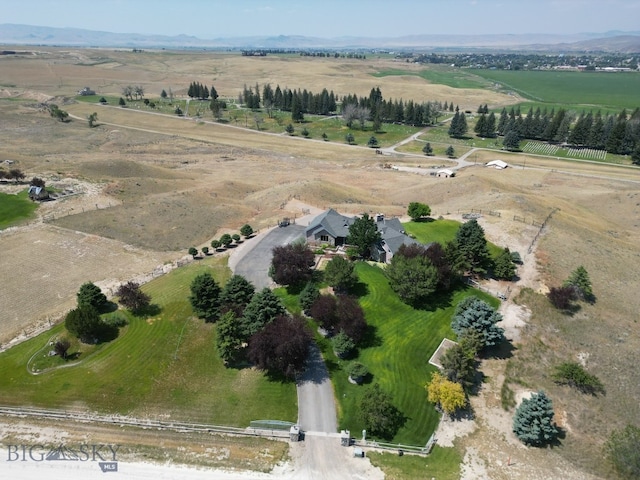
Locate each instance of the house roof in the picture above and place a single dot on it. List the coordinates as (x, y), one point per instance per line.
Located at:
(335, 224)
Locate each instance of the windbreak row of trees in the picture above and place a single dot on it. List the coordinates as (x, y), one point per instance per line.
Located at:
(618, 134)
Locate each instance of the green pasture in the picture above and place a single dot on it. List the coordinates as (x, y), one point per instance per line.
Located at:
(442, 463)
(452, 77)
(400, 341)
(15, 208)
(165, 364)
(589, 89)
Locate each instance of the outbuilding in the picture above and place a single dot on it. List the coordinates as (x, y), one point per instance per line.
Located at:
(445, 172)
(497, 164)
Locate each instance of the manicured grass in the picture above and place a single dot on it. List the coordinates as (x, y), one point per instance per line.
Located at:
(15, 208)
(442, 231)
(442, 463)
(163, 365)
(396, 351)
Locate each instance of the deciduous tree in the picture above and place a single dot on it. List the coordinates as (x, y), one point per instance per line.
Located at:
(380, 417)
(417, 210)
(226, 240)
(246, 231)
(130, 295)
(292, 264)
(448, 395)
(282, 346)
(412, 278)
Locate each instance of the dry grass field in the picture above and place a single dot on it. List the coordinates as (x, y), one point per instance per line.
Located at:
(156, 185)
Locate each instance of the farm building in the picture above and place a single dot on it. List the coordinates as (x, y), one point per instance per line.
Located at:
(86, 91)
(497, 164)
(446, 173)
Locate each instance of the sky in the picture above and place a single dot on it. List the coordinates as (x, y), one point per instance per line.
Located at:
(209, 19)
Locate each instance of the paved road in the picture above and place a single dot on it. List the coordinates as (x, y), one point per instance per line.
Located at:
(253, 263)
(316, 402)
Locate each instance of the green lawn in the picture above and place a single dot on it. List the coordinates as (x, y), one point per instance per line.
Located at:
(163, 365)
(15, 208)
(396, 351)
(442, 463)
(442, 231)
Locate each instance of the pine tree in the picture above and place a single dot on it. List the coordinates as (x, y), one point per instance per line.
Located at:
(473, 314)
(533, 422)
(579, 279)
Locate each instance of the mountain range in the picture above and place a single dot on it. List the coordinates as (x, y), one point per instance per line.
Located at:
(610, 42)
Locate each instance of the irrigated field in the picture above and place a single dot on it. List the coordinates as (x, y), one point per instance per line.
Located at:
(164, 184)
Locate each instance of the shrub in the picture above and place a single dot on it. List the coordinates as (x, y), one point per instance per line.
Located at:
(357, 371)
(623, 451)
(562, 297)
(574, 375)
(246, 230)
(308, 296)
(343, 345)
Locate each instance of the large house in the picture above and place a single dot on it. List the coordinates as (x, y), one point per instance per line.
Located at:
(332, 228)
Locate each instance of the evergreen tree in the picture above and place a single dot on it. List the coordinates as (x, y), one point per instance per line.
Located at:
(490, 126)
(90, 295)
(502, 122)
(473, 314)
(296, 109)
(503, 267)
(450, 152)
(533, 421)
(511, 141)
(205, 297)
(427, 149)
(363, 234)
(228, 337)
(472, 244)
(263, 308)
(236, 294)
(579, 279)
(308, 296)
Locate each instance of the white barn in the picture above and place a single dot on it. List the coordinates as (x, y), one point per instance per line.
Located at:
(497, 164)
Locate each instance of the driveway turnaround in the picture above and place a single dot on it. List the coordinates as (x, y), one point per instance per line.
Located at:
(254, 263)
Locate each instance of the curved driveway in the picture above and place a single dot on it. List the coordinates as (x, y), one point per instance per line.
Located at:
(316, 402)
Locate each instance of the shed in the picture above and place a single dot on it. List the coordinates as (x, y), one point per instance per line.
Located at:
(358, 452)
(445, 172)
(497, 164)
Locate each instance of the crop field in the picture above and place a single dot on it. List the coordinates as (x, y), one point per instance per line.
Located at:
(154, 185)
(590, 89)
(451, 77)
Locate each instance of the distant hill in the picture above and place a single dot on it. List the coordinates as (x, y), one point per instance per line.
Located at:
(623, 42)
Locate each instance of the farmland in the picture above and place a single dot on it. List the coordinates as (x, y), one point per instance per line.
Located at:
(154, 185)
